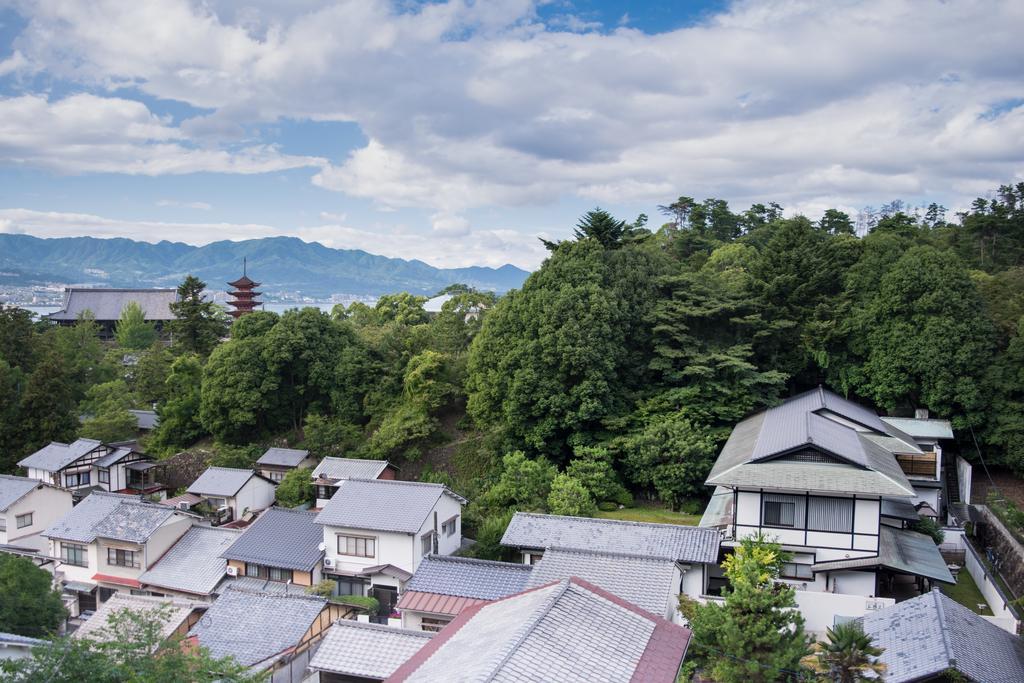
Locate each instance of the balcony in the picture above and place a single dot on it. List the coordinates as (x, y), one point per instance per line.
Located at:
(919, 465)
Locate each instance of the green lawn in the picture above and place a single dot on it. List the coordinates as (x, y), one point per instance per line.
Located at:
(651, 513)
(966, 593)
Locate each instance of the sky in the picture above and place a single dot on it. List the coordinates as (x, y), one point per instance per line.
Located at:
(459, 132)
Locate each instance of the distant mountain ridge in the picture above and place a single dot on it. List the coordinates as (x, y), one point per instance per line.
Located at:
(282, 264)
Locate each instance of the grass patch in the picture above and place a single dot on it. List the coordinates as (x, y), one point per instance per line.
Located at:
(966, 593)
(651, 512)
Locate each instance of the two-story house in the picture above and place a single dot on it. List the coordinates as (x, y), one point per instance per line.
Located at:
(27, 507)
(282, 545)
(329, 474)
(228, 493)
(88, 465)
(924, 467)
(376, 532)
(193, 568)
(816, 475)
(106, 542)
(277, 462)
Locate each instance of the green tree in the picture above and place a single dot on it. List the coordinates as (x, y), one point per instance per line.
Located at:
(29, 605)
(670, 455)
(254, 324)
(488, 537)
(117, 425)
(11, 383)
(402, 308)
(132, 331)
(47, 410)
(238, 397)
(570, 497)
(592, 467)
(296, 488)
(599, 225)
(836, 222)
(757, 634)
(180, 425)
(428, 381)
(148, 378)
(18, 345)
(331, 436)
(402, 433)
(524, 484)
(198, 324)
(131, 647)
(82, 355)
(847, 655)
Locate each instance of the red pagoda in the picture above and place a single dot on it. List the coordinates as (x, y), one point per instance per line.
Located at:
(245, 298)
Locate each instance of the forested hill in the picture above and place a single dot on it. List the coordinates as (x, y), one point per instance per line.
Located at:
(283, 263)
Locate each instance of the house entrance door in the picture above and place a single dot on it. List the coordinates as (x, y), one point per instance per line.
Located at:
(387, 596)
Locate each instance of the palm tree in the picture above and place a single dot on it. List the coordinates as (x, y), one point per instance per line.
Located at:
(847, 656)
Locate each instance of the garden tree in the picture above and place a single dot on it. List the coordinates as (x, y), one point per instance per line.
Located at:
(18, 346)
(835, 222)
(931, 528)
(47, 409)
(180, 424)
(132, 331)
(670, 455)
(847, 655)
(29, 604)
(488, 537)
(928, 340)
(331, 436)
(107, 406)
(148, 378)
(592, 467)
(237, 401)
(131, 647)
(569, 497)
(757, 634)
(301, 352)
(559, 356)
(402, 308)
(296, 488)
(523, 485)
(254, 324)
(198, 323)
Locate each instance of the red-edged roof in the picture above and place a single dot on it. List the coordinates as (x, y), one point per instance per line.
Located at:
(435, 603)
(119, 580)
(661, 660)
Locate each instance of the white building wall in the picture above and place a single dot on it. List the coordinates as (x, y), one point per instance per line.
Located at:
(166, 536)
(400, 550)
(73, 573)
(257, 494)
(46, 504)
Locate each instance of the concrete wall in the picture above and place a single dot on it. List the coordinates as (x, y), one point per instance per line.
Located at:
(820, 609)
(964, 474)
(257, 494)
(1004, 618)
(46, 504)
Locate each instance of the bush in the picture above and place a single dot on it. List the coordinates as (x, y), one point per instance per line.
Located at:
(331, 436)
(488, 538)
(607, 506)
(929, 527)
(296, 488)
(569, 497)
(592, 467)
(524, 485)
(364, 603)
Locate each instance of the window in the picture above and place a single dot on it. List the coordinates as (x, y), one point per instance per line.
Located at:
(449, 527)
(274, 475)
(349, 586)
(106, 593)
(103, 476)
(358, 546)
(216, 503)
(830, 514)
(76, 479)
(325, 492)
(276, 574)
(122, 558)
(792, 570)
(782, 510)
(22, 521)
(427, 543)
(74, 554)
(255, 570)
(433, 625)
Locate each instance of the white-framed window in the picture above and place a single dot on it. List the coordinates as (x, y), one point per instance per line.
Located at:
(74, 554)
(448, 528)
(22, 521)
(357, 546)
(116, 557)
(76, 479)
(427, 543)
(103, 476)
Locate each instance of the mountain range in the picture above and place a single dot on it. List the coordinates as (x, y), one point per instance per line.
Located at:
(282, 264)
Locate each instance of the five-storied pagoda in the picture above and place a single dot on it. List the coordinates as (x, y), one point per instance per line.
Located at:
(245, 298)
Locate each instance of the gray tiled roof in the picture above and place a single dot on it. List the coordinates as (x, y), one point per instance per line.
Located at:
(928, 634)
(13, 489)
(349, 468)
(15, 639)
(107, 304)
(254, 585)
(646, 582)
(193, 564)
(469, 578)
(114, 456)
(253, 627)
(177, 611)
(922, 428)
(369, 650)
(379, 505)
(56, 456)
(289, 539)
(147, 419)
(867, 465)
(666, 541)
(220, 481)
(901, 550)
(899, 509)
(565, 632)
(285, 457)
(110, 515)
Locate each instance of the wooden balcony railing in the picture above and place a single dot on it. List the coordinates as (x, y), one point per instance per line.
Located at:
(923, 465)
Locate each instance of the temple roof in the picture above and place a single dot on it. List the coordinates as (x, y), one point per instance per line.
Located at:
(244, 281)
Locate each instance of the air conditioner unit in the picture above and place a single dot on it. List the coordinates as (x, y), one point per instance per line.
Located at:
(184, 505)
(328, 563)
(232, 571)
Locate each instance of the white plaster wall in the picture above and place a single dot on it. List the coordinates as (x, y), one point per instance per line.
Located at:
(927, 495)
(446, 507)
(114, 570)
(748, 508)
(165, 537)
(866, 516)
(964, 475)
(46, 504)
(854, 583)
(73, 573)
(828, 554)
(820, 609)
(400, 550)
(692, 581)
(257, 494)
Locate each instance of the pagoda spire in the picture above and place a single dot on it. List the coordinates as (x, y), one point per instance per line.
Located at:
(245, 297)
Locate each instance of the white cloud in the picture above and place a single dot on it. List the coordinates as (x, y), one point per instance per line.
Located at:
(471, 104)
(481, 248)
(203, 206)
